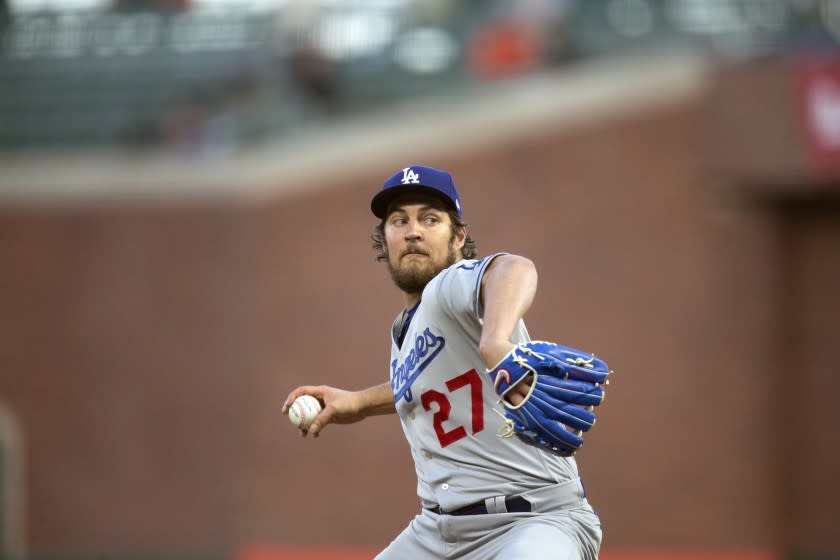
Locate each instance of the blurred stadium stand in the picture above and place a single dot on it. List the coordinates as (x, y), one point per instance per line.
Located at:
(217, 75)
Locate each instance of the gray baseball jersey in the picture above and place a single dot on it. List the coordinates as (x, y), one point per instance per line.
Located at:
(445, 401)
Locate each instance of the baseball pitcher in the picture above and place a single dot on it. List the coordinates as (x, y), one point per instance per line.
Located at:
(492, 418)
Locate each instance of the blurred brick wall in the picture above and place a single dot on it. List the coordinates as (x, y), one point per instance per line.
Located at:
(147, 351)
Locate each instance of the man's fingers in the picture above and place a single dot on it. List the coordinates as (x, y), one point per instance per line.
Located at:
(518, 392)
(304, 390)
(289, 400)
(323, 418)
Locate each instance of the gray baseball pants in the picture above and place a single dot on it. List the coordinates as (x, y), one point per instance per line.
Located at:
(561, 526)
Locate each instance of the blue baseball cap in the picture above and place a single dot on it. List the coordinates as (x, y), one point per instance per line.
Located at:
(416, 178)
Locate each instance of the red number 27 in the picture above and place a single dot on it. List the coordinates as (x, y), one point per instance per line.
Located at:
(470, 378)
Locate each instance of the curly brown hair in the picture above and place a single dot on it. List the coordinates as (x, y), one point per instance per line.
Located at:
(468, 251)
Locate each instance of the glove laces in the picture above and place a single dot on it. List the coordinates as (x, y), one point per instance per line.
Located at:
(507, 429)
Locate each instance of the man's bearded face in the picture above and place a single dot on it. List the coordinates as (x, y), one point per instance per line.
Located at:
(420, 243)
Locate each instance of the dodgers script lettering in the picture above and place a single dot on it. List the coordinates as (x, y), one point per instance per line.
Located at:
(427, 346)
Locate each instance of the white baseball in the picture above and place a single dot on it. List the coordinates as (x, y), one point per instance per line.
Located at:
(303, 411)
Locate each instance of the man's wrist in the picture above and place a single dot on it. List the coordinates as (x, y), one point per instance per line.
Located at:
(492, 352)
(375, 400)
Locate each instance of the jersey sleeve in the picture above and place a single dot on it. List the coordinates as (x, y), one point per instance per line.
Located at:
(459, 288)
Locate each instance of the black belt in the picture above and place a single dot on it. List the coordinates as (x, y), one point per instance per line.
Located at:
(516, 504)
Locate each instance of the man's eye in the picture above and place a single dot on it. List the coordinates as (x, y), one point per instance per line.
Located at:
(398, 221)
(432, 219)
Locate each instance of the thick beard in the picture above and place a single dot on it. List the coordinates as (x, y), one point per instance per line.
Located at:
(413, 279)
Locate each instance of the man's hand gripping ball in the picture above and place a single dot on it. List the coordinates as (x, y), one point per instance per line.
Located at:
(565, 385)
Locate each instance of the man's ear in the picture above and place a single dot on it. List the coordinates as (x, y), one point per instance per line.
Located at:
(460, 237)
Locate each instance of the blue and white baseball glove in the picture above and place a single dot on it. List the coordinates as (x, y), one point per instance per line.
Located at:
(558, 408)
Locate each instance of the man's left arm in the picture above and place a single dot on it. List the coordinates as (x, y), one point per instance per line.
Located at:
(508, 288)
(549, 391)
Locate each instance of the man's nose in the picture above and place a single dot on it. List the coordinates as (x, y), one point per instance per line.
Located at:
(413, 232)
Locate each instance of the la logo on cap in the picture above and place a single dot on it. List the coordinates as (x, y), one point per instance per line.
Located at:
(409, 176)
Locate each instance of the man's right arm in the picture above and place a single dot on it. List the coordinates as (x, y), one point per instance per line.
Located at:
(344, 407)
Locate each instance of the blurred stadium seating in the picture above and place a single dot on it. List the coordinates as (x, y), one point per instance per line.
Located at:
(226, 74)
